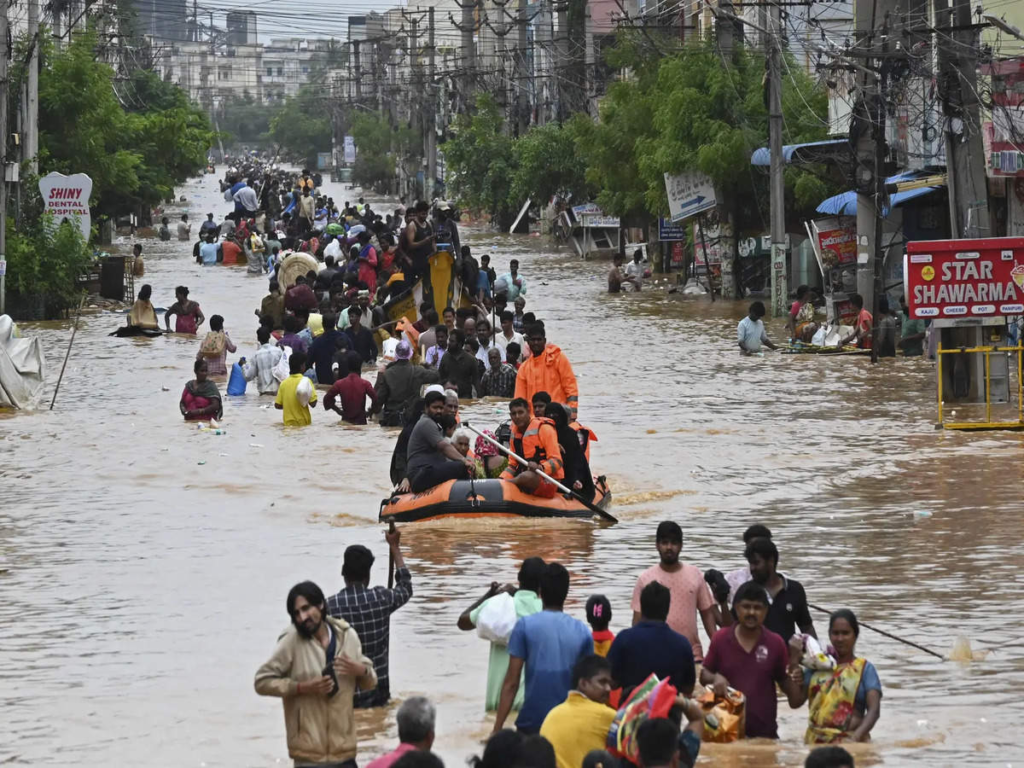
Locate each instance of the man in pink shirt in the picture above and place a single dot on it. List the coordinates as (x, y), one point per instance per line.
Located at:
(690, 593)
(416, 719)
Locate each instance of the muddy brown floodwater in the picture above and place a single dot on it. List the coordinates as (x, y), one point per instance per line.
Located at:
(141, 587)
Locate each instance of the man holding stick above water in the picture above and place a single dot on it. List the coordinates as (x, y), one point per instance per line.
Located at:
(368, 610)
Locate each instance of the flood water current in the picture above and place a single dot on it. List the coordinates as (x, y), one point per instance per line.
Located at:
(144, 564)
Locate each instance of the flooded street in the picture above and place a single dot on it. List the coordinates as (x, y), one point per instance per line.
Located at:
(144, 564)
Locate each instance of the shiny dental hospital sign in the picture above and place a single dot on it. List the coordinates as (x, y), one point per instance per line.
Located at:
(964, 278)
(67, 198)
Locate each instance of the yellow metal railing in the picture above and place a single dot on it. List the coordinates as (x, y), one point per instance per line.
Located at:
(988, 423)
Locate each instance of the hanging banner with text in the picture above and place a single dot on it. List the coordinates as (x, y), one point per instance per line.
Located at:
(689, 194)
(965, 278)
(66, 198)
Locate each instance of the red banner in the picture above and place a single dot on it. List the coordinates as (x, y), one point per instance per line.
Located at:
(965, 278)
(837, 243)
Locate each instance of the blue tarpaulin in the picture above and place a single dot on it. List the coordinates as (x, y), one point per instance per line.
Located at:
(810, 152)
(845, 203)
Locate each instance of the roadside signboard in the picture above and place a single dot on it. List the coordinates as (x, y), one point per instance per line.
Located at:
(837, 241)
(590, 215)
(965, 278)
(689, 194)
(669, 232)
(350, 150)
(67, 198)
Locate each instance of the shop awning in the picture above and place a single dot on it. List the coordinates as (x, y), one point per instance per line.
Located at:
(908, 186)
(831, 150)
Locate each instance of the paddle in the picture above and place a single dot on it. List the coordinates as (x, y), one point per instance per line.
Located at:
(589, 505)
(391, 555)
(886, 634)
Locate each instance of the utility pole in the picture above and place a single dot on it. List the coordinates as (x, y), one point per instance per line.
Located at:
(965, 150)
(430, 146)
(522, 78)
(588, 59)
(30, 131)
(868, 126)
(4, 86)
(878, 277)
(562, 61)
(773, 49)
(468, 55)
(358, 70)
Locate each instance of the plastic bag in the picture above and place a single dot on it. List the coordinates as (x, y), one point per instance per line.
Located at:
(818, 339)
(814, 657)
(497, 619)
(653, 698)
(304, 392)
(281, 370)
(725, 719)
(236, 381)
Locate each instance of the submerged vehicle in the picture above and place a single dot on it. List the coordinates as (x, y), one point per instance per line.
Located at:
(486, 498)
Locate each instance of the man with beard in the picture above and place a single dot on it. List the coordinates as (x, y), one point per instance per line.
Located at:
(316, 668)
(787, 600)
(690, 593)
(431, 458)
(752, 659)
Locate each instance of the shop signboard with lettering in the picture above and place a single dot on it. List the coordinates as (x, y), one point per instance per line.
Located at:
(964, 278)
(67, 198)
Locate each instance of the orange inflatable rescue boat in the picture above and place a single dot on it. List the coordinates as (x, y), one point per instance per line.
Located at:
(486, 498)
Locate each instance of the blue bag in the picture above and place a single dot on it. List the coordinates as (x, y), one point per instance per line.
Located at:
(236, 382)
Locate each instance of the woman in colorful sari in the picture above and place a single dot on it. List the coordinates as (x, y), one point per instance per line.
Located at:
(490, 463)
(845, 702)
(188, 316)
(801, 315)
(200, 401)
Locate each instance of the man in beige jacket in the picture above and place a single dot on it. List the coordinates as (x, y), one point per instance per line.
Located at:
(315, 669)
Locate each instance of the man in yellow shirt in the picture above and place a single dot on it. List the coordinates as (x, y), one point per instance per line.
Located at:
(296, 408)
(580, 723)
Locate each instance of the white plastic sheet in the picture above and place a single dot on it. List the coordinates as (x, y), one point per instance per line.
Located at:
(22, 369)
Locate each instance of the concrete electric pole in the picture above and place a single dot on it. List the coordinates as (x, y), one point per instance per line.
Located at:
(773, 50)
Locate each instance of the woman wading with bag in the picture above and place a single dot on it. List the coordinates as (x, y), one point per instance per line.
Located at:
(491, 616)
(215, 347)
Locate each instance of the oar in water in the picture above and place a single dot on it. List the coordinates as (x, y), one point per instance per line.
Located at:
(589, 505)
(886, 634)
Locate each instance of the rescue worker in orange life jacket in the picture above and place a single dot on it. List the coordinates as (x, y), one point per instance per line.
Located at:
(536, 440)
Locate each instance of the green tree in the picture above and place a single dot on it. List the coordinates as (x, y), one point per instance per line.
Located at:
(243, 120)
(298, 129)
(481, 161)
(136, 139)
(82, 125)
(546, 163)
(45, 263)
(378, 148)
